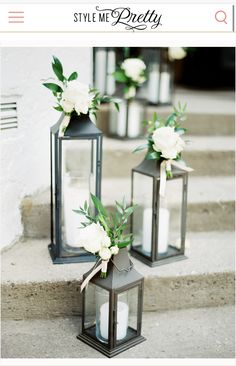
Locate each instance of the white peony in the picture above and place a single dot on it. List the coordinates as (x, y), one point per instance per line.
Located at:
(130, 93)
(93, 238)
(105, 254)
(133, 68)
(168, 142)
(67, 106)
(114, 249)
(76, 94)
(176, 53)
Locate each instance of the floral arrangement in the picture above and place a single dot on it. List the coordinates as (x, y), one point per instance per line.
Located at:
(131, 73)
(176, 53)
(103, 233)
(164, 140)
(73, 96)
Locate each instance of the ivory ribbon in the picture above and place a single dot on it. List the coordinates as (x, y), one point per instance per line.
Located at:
(102, 266)
(63, 125)
(166, 166)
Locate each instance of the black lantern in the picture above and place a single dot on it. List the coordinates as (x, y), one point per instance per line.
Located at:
(159, 223)
(112, 308)
(75, 172)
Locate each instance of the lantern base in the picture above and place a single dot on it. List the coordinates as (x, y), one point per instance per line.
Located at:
(110, 352)
(69, 259)
(172, 255)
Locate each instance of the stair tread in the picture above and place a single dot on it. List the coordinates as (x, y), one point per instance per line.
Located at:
(208, 253)
(194, 143)
(56, 338)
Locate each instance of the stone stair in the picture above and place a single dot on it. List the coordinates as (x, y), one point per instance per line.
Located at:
(33, 288)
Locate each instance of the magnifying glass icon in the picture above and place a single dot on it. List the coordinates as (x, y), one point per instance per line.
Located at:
(220, 16)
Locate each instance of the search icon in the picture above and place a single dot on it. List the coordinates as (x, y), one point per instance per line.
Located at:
(220, 16)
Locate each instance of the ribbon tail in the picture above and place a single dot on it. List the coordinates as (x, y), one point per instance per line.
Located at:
(162, 187)
(63, 125)
(181, 166)
(88, 278)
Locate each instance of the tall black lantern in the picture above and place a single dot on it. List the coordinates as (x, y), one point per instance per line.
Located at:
(112, 308)
(75, 172)
(159, 223)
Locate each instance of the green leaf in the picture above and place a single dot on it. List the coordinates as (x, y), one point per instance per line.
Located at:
(181, 130)
(153, 155)
(58, 64)
(53, 87)
(140, 148)
(120, 76)
(58, 108)
(98, 205)
(73, 76)
(57, 68)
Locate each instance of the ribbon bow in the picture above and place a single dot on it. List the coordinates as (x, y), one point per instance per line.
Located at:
(97, 267)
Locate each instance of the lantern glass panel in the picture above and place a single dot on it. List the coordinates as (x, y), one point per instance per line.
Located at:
(170, 216)
(90, 310)
(102, 314)
(142, 216)
(78, 180)
(127, 315)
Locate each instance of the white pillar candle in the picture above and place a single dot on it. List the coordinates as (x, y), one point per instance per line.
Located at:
(111, 65)
(134, 119)
(163, 232)
(153, 84)
(164, 87)
(121, 120)
(74, 197)
(147, 230)
(100, 71)
(122, 320)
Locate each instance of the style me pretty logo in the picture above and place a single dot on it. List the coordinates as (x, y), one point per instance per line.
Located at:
(123, 16)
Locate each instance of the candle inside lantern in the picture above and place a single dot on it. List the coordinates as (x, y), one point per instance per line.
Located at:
(111, 65)
(100, 70)
(164, 87)
(153, 83)
(122, 320)
(75, 194)
(163, 232)
(147, 230)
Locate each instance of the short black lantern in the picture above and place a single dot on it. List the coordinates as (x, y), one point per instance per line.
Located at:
(112, 308)
(75, 173)
(159, 223)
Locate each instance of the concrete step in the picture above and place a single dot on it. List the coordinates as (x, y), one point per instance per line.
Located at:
(211, 331)
(32, 287)
(211, 156)
(200, 121)
(210, 205)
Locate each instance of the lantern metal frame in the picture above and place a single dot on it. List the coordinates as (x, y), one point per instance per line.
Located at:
(79, 128)
(115, 285)
(151, 168)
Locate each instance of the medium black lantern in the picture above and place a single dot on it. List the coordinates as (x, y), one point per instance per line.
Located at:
(112, 308)
(159, 223)
(75, 173)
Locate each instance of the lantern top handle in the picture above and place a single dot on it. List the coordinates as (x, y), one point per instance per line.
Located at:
(79, 127)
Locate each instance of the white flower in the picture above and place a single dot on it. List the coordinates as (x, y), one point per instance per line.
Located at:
(168, 142)
(105, 254)
(133, 68)
(76, 94)
(93, 238)
(176, 53)
(67, 106)
(130, 93)
(114, 249)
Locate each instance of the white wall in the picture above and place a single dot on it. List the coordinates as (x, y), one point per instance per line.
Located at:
(25, 151)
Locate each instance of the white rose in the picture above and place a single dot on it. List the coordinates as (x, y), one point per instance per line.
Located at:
(93, 238)
(168, 142)
(105, 254)
(77, 93)
(67, 106)
(130, 93)
(114, 249)
(176, 53)
(133, 68)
